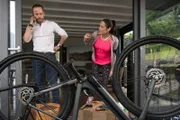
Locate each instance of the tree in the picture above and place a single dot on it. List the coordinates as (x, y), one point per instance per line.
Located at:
(163, 23)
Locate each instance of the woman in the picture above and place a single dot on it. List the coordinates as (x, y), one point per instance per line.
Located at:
(104, 44)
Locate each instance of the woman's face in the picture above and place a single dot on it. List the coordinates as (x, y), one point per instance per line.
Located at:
(103, 29)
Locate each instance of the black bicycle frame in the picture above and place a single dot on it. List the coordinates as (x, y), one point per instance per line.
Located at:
(92, 84)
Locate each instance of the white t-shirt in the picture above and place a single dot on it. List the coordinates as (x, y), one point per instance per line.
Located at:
(43, 36)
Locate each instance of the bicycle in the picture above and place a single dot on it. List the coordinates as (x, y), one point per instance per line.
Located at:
(158, 83)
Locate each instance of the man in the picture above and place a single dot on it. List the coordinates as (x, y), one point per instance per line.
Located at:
(41, 31)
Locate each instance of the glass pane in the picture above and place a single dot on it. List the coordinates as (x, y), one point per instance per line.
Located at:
(12, 26)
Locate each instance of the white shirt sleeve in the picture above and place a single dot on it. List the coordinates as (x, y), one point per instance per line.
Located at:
(59, 30)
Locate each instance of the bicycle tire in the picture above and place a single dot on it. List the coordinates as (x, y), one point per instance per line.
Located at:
(118, 86)
(67, 91)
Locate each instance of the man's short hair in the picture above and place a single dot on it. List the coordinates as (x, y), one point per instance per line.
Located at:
(37, 5)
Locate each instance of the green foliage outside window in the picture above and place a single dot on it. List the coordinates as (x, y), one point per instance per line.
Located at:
(162, 23)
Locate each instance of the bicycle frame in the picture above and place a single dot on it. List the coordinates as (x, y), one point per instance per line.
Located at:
(92, 84)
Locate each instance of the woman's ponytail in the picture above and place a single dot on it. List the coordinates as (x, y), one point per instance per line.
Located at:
(110, 24)
(113, 28)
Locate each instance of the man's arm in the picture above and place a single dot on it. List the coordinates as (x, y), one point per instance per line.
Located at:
(63, 35)
(28, 33)
(60, 43)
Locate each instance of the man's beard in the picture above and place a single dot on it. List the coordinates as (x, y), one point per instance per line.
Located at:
(40, 20)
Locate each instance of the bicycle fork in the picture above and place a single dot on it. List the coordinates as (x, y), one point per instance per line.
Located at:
(153, 75)
(145, 109)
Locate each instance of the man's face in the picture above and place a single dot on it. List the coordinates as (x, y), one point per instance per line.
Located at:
(38, 14)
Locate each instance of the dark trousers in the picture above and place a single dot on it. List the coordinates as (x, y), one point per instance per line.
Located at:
(101, 73)
(40, 69)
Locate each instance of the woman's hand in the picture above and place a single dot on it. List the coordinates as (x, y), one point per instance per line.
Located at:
(87, 36)
(111, 73)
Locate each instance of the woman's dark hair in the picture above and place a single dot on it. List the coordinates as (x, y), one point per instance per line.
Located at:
(110, 24)
(37, 5)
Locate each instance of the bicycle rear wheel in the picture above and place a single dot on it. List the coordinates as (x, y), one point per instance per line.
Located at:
(18, 87)
(157, 57)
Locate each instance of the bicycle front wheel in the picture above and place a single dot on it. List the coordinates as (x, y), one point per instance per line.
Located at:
(150, 58)
(18, 84)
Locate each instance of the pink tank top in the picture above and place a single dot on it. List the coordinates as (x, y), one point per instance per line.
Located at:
(102, 51)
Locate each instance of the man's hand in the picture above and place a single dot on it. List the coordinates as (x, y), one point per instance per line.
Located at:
(32, 20)
(56, 48)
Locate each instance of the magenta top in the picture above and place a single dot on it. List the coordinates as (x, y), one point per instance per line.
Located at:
(102, 51)
(114, 45)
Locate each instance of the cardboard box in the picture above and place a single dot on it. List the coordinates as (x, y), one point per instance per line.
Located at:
(92, 114)
(36, 115)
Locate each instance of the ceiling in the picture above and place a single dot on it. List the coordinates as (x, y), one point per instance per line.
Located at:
(80, 16)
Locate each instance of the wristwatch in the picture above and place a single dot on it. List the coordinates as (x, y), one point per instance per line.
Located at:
(30, 25)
